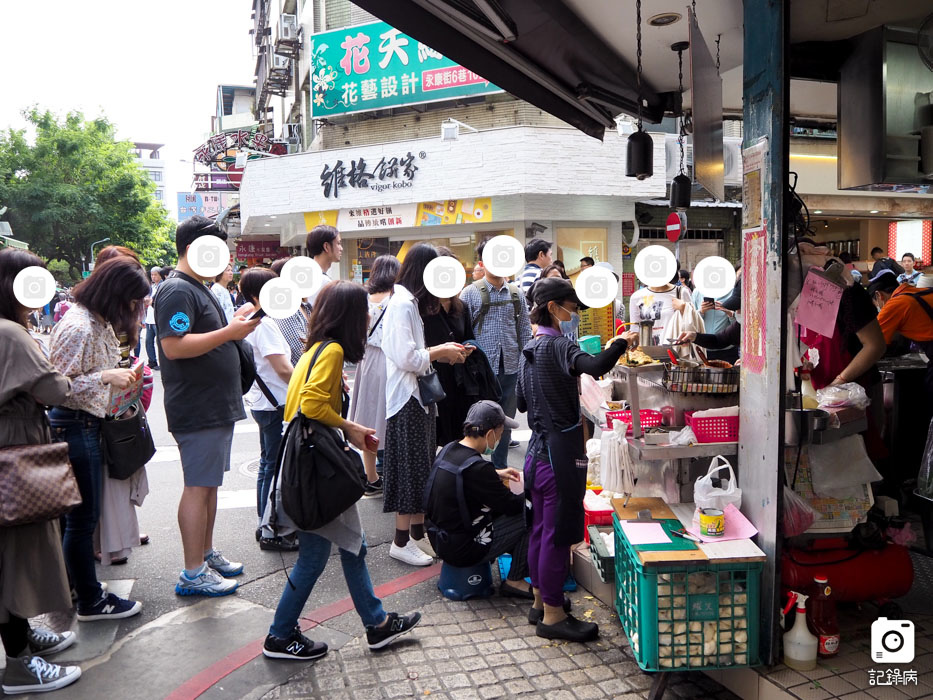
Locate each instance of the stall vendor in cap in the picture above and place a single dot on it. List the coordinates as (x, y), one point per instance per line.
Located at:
(555, 466)
(907, 311)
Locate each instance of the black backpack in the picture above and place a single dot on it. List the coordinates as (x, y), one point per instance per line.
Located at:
(442, 537)
(321, 475)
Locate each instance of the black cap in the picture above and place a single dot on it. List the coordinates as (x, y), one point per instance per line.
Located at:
(554, 289)
(884, 281)
(488, 415)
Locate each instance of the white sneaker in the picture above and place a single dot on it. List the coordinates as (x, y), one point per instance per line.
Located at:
(410, 554)
(208, 583)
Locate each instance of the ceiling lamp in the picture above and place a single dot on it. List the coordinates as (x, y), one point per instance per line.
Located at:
(664, 19)
(639, 152)
(681, 184)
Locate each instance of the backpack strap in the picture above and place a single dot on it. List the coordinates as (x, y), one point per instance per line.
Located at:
(917, 297)
(443, 464)
(486, 303)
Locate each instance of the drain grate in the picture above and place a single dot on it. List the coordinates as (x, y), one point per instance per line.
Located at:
(250, 468)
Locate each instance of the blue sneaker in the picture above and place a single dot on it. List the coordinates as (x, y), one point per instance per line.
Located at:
(109, 607)
(207, 583)
(223, 566)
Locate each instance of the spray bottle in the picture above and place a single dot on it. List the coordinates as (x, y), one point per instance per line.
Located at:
(800, 645)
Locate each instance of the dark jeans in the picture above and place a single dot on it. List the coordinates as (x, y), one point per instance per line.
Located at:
(270, 437)
(509, 535)
(82, 433)
(500, 458)
(151, 345)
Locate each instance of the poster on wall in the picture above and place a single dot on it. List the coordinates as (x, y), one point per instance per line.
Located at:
(753, 182)
(754, 288)
(441, 213)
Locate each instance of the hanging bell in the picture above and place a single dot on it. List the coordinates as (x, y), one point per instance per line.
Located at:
(639, 156)
(680, 192)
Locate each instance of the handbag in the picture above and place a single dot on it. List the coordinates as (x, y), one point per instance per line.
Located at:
(37, 484)
(321, 476)
(244, 350)
(429, 386)
(127, 442)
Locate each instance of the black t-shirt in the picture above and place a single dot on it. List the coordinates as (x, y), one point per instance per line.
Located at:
(856, 311)
(553, 360)
(200, 392)
(487, 498)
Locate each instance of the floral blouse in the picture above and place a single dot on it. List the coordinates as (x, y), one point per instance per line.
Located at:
(81, 347)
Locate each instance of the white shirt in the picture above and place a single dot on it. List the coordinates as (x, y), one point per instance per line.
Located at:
(325, 278)
(150, 310)
(223, 296)
(267, 340)
(645, 305)
(403, 345)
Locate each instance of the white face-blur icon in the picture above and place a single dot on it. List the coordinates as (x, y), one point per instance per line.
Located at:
(208, 256)
(444, 277)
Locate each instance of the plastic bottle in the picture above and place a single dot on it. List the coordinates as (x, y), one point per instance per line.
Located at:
(799, 643)
(821, 618)
(807, 392)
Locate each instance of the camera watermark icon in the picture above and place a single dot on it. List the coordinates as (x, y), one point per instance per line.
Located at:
(714, 276)
(504, 256)
(304, 273)
(279, 298)
(892, 641)
(208, 256)
(655, 266)
(444, 277)
(33, 287)
(596, 287)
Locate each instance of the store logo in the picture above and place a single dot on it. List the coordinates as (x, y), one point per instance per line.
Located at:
(391, 173)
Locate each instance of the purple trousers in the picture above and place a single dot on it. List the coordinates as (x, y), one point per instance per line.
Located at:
(547, 562)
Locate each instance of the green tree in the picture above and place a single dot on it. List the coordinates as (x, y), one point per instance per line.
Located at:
(76, 184)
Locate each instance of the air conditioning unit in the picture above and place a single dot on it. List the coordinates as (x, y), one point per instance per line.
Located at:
(279, 62)
(732, 161)
(288, 28)
(292, 133)
(672, 157)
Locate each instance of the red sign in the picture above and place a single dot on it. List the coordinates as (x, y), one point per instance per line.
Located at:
(674, 226)
(628, 284)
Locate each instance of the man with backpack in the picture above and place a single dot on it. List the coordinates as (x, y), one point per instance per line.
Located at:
(500, 323)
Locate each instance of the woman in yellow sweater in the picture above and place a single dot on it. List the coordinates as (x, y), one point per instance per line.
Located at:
(341, 314)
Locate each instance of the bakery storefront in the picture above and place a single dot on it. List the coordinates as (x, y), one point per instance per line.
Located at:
(553, 183)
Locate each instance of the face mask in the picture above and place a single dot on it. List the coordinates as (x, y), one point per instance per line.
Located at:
(570, 326)
(489, 450)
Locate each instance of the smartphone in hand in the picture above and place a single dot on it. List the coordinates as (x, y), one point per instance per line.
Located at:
(371, 442)
(259, 313)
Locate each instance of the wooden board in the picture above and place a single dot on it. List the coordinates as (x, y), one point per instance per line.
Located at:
(659, 509)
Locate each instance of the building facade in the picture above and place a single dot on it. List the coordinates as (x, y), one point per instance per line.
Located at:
(151, 161)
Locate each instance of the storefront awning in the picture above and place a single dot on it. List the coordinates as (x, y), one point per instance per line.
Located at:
(539, 51)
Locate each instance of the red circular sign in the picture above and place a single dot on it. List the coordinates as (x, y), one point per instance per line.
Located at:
(673, 226)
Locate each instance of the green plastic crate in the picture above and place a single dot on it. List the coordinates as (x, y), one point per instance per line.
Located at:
(604, 562)
(686, 616)
(590, 343)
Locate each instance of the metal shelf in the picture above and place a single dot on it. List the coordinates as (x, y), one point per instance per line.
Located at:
(663, 453)
(824, 437)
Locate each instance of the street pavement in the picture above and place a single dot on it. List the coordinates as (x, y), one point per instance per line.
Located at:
(211, 648)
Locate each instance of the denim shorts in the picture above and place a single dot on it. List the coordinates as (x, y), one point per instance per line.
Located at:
(205, 455)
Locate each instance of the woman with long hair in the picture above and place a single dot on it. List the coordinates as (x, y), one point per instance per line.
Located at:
(85, 348)
(450, 323)
(33, 579)
(340, 314)
(410, 422)
(368, 402)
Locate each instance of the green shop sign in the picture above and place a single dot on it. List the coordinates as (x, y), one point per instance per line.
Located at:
(375, 66)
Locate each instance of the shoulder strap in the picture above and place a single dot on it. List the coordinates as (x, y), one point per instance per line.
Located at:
(926, 307)
(264, 388)
(516, 304)
(317, 353)
(208, 292)
(457, 471)
(378, 321)
(484, 305)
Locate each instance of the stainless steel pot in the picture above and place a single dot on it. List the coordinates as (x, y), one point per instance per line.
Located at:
(645, 337)
(801, 423)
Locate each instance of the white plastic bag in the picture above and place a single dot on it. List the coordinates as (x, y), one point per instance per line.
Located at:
(705, 495)
(848, 394)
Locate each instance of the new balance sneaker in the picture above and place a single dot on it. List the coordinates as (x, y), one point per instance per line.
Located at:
(32, 674)
(208, 583)
(395, 627)
(297, 647)
(373, 489)
(109, 607)
(46, 642)
(223, 566)
(410, 554)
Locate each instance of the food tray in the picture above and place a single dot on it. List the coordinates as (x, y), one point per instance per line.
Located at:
(700, 380)
(649, 418)
(716, 429)
(688, 616)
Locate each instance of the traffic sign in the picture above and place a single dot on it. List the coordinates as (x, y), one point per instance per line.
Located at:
(86, 273)
(674, 226)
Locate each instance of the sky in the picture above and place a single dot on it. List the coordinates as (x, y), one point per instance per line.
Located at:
(152, 68)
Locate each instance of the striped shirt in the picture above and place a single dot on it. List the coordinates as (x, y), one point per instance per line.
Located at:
(531, 272)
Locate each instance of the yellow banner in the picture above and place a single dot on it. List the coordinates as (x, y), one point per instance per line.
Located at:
(442, 213)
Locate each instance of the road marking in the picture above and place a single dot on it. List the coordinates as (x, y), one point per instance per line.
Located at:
(241, 428)
(216, 672)
(242, 498)
(167, 453)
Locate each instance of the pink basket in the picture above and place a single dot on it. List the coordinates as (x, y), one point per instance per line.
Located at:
(718, 429)
(649, 418)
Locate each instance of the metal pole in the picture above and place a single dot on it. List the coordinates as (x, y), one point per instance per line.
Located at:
(102, 240)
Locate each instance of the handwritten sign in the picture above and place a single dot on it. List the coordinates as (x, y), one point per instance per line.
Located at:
(819, 304)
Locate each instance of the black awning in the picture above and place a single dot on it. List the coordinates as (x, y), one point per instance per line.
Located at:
(540, 51)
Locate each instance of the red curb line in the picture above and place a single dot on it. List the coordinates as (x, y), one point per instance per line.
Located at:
(216, 672)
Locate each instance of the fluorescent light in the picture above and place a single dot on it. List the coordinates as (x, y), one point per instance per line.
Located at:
(874, 211)
(811, 156)
(817, 211)
(267, 224)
